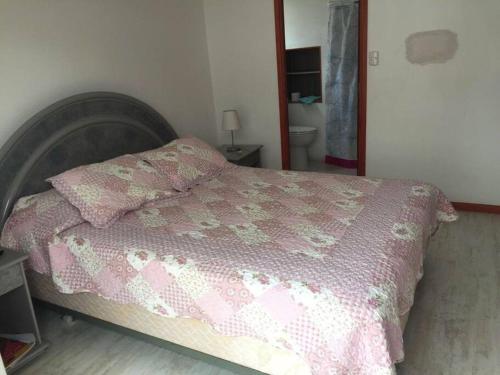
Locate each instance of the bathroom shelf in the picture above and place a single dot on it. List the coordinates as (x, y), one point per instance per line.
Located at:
(319, 100)
(304, 72)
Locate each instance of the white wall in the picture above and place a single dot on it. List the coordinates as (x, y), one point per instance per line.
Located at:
(154, 50)
(242, 52)
(439, 123)
(306, 25)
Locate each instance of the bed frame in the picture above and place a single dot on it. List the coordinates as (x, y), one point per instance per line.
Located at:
(93, 127)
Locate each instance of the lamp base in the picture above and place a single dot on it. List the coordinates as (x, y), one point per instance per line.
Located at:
(233, 149)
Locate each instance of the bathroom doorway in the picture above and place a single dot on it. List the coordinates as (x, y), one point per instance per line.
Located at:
(322, 66)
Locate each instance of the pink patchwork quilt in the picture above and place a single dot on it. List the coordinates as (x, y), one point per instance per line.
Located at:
(323, 265)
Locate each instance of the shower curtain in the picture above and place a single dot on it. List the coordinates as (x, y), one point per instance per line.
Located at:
(341, 90)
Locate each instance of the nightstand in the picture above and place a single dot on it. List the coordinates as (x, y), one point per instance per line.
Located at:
(248, 156)
(16, 310)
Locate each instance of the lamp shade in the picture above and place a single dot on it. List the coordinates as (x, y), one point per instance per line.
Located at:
(230, 120)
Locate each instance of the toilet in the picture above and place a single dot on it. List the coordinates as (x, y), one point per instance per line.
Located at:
(301, 137)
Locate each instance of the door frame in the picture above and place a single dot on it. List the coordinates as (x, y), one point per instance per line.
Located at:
(279, 22)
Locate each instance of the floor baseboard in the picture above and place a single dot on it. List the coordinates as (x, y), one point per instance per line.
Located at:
(476, 207)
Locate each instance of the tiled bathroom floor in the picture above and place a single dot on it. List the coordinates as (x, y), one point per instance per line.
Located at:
(319, 166)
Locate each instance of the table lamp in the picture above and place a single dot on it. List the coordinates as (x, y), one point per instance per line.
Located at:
(231, 122)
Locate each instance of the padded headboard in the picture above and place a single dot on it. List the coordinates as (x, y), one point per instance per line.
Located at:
(81, 129)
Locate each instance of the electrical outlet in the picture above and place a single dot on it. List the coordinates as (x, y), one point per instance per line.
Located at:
(374, 58)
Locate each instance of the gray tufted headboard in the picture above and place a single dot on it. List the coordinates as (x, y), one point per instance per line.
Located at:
(81, 129)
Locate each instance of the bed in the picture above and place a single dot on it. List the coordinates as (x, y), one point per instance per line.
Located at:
(282, 272)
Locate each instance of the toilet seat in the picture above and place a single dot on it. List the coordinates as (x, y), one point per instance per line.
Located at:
(302, 130)
(301, 137)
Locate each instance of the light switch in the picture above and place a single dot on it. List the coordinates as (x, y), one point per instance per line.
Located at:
(373, 58)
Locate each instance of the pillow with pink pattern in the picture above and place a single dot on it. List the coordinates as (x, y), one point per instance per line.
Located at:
(103, 192)
(34, 221)
(186, 162)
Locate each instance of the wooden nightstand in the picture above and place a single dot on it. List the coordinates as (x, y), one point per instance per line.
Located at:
(248, 156)
(16, 310)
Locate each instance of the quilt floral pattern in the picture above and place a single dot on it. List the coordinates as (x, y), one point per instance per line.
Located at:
(34, 221)
(323, 265)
